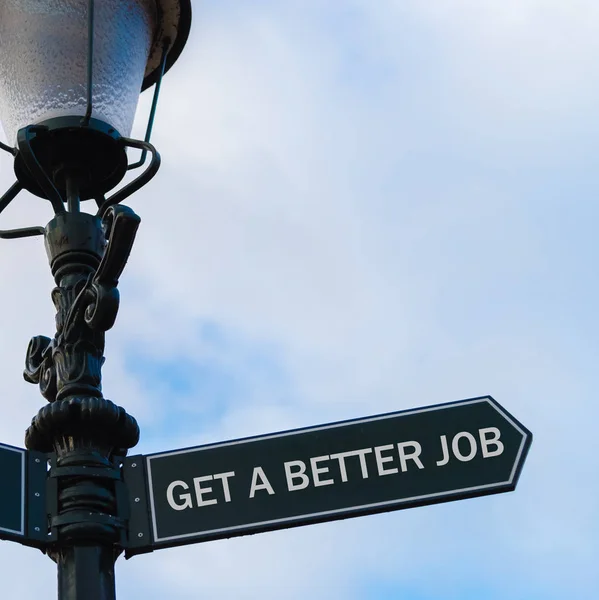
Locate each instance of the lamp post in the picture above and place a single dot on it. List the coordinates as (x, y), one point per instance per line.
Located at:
(70, 76)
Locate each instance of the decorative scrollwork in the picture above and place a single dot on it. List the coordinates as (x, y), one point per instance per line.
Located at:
(87, 256)
(39, 367)
(87, 271)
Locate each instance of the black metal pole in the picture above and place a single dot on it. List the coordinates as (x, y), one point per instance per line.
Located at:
(73, 200)
(86, 434)
(86, 572)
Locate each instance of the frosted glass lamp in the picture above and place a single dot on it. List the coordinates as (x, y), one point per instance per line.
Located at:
(45, 72)
(43, 58)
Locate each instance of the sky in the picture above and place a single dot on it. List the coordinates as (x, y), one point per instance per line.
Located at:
(364, 206)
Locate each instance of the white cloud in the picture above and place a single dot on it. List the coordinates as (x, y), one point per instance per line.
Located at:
(389, 202)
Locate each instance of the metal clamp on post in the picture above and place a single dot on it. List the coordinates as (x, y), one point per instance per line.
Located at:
(84, 471)
(84, 500)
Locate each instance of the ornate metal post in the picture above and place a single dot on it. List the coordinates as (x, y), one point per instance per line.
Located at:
(87, 433)
(71, 145)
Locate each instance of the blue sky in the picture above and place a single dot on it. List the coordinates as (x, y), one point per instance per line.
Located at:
(364, 206)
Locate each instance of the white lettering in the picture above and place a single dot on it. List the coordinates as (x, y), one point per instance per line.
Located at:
(300, 473)
(187, 502)
(341, 456)
(362, 454)
(260, 482)
(225, 477)
(341, 460)
(316, 471)
(445, 459)
(404, 456)
(485, 442)
(380, 460)
(455, 446)
(200, 490)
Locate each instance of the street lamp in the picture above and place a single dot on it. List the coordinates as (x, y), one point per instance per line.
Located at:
(71, 72)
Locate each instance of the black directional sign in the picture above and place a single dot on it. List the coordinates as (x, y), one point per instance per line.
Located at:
(12, 496)
(22, 496)
(386, 462)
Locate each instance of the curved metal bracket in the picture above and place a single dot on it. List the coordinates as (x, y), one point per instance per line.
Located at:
(144, 152)
(90, 61)
(9, 234)
(24, 138)
(31, 162)
(8, 149)
(10, 195)
(139, 181)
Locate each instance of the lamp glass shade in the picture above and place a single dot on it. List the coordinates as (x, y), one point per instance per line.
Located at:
(43, 60)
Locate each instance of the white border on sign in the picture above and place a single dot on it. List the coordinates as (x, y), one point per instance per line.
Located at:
(485, 399)
(22, 453)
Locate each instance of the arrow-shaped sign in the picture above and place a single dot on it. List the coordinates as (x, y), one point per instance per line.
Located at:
(386, 462)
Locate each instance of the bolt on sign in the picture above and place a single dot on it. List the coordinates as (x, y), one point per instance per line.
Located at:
(398, 460)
